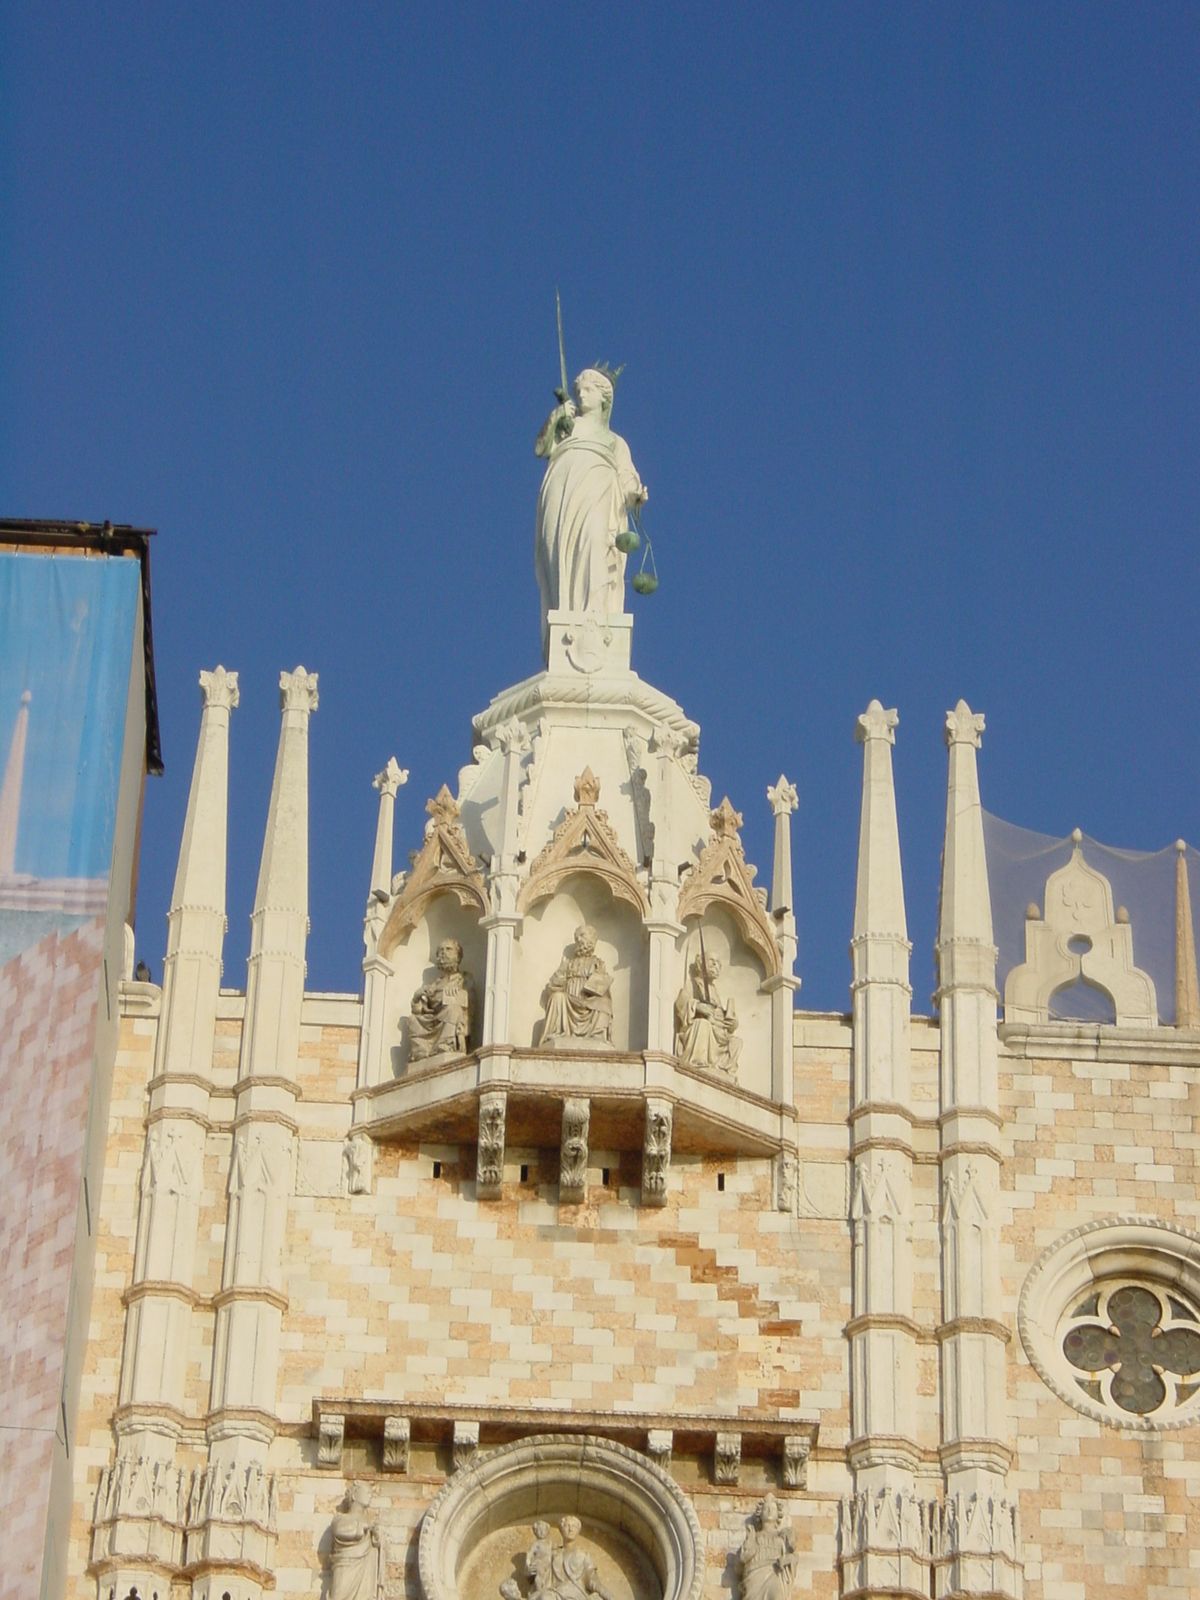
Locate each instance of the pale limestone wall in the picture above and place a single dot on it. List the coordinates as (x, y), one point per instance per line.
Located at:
(1103, 1511)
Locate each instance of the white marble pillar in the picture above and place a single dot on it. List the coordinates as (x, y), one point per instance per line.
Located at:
(252, 1300)
(974, 1451)
(159, 1315)
(504, 919)
(883, 1450)
(376, 969)
(783, 801)
(663, 928)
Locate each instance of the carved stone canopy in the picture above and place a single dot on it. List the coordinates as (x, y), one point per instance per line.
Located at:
(444, 865)
(723, 877)
(622, 1497)
(584, 842)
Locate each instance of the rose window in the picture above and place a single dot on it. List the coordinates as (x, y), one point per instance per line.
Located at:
(1135, 1347)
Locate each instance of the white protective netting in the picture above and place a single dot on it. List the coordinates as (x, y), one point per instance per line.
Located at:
(1143, 881)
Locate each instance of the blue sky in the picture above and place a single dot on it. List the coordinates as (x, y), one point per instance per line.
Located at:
(908, 302)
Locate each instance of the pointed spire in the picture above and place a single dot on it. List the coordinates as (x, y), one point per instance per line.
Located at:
(783, 800)
(279, 921)
(966, 902)
(1187, 985)
(10, 791)
(196, 919)
(388, 782)
(879, 899)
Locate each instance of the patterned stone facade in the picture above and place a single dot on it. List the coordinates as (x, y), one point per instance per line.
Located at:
(804, 1296)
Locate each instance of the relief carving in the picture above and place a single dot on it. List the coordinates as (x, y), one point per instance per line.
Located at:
(724, 877)
(443, 865)
(656, 1154)
(706, 1025)
(356, 1165)
(584, 842)
(572, 1168)
(557, 1572)
(489, 1170)
(440, 1021)
(579, 998)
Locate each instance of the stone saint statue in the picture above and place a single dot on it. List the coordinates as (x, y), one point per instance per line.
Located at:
(440, 1023)
(767, 1559)
(706, 1025)
(557, 1572)
(357, 1564)
(579, 998)
(590, 484)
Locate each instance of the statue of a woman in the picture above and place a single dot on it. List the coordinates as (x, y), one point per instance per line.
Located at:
(356, 1561)
(590, 485)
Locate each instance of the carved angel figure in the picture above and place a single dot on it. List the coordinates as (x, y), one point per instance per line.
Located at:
(440, 1022)
(579, 999)
(589, 485)
(706, 1025)
(767, 1559)
(357, 1562)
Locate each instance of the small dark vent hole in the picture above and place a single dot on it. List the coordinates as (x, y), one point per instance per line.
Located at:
(524, 1173)
(604, 1176)
(437, 1169)
(721, 1181)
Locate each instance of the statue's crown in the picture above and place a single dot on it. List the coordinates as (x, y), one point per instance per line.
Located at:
(605, 371)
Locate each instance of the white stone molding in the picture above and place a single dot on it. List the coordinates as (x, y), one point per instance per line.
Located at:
(1078, 911)
(783, 800)
(139, 1516)
(555, 1475)
(659, 1444)
(465, 1444)
(443, 865)
(489, 1168)
(232, 1522)
(330, 1440)
(796, 1450)
(723, 877)
(584, 842)
(1162, 1255)
(885, 1543)
(727, 1458)
(573, 1151)
(397, 1433)
(581, 643)
(969, 1232)
(656, 1152)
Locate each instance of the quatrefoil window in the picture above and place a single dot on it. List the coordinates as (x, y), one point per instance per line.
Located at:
(1134, 1347)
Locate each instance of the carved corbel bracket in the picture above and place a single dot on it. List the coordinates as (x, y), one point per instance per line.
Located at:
(656, 1152)
(489, 1169)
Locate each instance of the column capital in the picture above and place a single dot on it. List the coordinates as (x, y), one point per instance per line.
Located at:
(782, 797)
(876, 723)
(392, 778)
(219, 688)
(964, 726)
(298, 690)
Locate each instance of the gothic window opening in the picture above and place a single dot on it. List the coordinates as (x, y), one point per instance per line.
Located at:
(1135, 1348)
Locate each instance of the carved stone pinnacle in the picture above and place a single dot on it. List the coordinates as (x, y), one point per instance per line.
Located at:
(219, 688)
(298, 690)
(725, 821)
(963, 726)
(782, 797)
(391, 778)
(587, 788)
(876, 723)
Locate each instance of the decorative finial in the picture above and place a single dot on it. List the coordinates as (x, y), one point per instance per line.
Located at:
(876, 723)
(587, 788)
(726, 822)
(443, 808)
(219, 688)
(963, 726)
(391, 778)
(298, 690)
(1076, 837)
(782, 796)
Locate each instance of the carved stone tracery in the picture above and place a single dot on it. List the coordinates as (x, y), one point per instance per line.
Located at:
(443, 865)
(723, 877)
(584, 842)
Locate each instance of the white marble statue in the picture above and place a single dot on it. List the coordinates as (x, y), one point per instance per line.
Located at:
(557, 1572)
(440, 1023)
(590, 485)
(767, 1559)
(706, 1025)
(579, 999)
(357, 1564)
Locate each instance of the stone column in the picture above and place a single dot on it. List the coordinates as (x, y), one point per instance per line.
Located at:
(158, 1320)
(783, 801)
(884, 1546)
(975, 1456)
(376, 970)
(502, 924)
(251, 1302)
(665, 976)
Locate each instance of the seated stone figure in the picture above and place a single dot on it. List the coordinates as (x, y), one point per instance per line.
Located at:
(562, 1572)
(440, 1023)
(706, 1025)
(579, 999)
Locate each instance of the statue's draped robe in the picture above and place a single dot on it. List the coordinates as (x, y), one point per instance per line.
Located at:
(579, 1004)
(706, 1040)
(581, 509)
(356, 1561)
(440, 1019)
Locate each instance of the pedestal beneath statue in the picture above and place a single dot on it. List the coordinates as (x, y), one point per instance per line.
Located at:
(589, 642)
